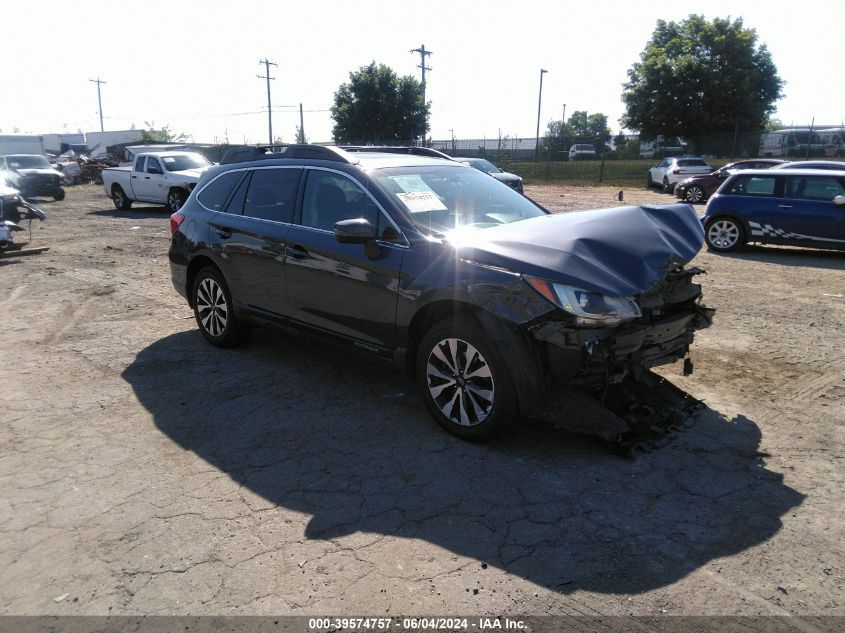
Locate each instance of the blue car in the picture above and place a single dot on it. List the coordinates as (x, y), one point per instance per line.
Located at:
(795, 207)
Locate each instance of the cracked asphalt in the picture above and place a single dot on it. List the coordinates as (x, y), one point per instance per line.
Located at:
(144, 472)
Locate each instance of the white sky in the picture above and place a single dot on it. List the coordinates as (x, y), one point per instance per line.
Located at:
(193, 65)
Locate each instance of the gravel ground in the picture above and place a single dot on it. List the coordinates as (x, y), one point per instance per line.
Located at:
(144, 472)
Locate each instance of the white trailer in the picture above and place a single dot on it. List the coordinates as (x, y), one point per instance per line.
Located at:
(53, 142)
(98, 141)
(21, 144)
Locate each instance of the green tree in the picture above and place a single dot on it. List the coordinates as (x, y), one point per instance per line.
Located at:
(698, 80)
(164, 135)
(300, 135)
(378, 106)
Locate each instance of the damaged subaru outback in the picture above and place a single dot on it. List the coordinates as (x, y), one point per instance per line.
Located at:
(491, 303)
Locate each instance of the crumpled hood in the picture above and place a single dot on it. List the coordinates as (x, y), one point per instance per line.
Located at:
(616, 252)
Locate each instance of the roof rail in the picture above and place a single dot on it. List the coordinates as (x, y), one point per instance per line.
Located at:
(400, 149)
(244, 153)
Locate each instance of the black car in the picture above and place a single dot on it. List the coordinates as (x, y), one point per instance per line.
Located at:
(482, 164)
(475, 290)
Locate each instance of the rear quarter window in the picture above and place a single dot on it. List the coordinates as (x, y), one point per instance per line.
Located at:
(692, 163)
(214, 195)
(813, 188)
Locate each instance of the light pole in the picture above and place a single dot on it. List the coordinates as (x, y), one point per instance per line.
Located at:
(452, 132)
(98, 81)
(543, 71)
(563, 120)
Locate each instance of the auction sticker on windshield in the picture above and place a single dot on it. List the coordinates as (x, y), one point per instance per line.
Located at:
(421, 201)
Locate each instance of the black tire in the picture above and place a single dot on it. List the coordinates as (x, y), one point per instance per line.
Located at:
(666, 186)
(214, 310)
(724, 234)
(121, 201)
(175, 199)
(59, 194)
(649, 183)
(464, 382)
(694, 194)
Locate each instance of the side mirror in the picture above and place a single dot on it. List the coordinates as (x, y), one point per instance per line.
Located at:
(354, 231)
(839, 200)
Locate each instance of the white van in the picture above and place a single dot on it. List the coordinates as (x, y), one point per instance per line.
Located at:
(791, 143)
(582, 151)
(833, 140)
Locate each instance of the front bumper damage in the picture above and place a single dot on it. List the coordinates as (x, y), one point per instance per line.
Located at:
(605, 386)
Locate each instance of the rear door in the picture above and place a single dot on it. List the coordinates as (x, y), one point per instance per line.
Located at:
(348, 289)
(250, 237)
(813, 217)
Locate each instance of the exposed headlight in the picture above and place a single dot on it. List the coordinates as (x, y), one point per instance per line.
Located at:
(590, 309)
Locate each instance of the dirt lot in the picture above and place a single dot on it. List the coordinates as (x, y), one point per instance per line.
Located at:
(143, 471)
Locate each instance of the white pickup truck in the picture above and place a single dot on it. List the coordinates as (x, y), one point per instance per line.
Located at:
(156, 177)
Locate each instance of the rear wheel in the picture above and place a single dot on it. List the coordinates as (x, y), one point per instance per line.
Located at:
(464, 382)
(666, 186)
(694, 194)
(213, 310)
(118, 196)
(59, 194)
(724, 234)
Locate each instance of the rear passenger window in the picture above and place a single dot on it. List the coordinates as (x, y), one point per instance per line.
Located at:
(752, 186)
(139, 163)
(272, 194)
(215, 194)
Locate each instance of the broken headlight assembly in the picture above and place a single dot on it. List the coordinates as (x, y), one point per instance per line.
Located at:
(590, 309)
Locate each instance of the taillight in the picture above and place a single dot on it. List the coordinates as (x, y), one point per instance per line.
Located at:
(175, 221)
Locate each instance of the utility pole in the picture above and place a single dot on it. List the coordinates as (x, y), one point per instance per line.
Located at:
(99, 101)
(563, 120)
(543, 71)
(267, 63)
(301, 125)
(423, 54)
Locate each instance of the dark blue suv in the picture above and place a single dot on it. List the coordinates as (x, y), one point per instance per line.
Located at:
(422, 261)
(796, 207)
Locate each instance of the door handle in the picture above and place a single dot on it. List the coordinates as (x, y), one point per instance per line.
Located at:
(134, 176)
(146, 177)
(223, 232)
(784, 206)
(298, 251)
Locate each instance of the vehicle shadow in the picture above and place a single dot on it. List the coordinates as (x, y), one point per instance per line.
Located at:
(323, 433)
(142, 213)
(790, 256)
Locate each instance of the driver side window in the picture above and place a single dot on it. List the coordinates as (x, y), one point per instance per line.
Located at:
(153, 166)
(330, 197)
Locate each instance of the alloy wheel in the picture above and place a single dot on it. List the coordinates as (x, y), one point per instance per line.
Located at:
(723, 234)
(174, 201)
(460, 382)
(211, 305)
(695, 194)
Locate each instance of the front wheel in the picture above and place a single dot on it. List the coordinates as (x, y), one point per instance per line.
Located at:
(59, 194)
(724, 235)
(213, 310)
(463, 381)
(175, 200)
(649, 183)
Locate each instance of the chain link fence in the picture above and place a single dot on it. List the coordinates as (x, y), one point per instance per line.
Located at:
(623, 160)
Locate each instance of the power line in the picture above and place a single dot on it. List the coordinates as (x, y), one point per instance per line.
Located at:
(267, 63)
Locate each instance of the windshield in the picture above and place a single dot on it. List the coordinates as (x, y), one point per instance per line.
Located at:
(180, 162)
(443, 198)
(28, 162)
(483, 165)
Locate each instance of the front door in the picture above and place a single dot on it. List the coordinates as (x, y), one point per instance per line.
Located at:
(149, 186)
(348, 289)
